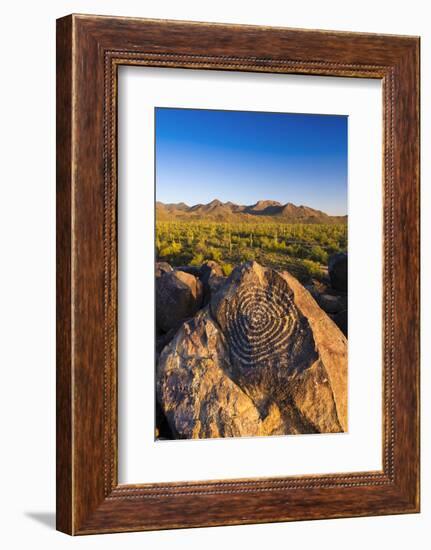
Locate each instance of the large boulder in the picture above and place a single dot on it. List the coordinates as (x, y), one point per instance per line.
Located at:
(212, 277)
(197, 397)
(214, 284)
(341, 320)
(163, 339)
(192, 269)
(161, 268)
(337, 270)
(261, 359)
(210, 269)
(332, 303)
(178, 297)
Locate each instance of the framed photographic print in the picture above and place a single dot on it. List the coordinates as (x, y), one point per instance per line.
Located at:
(237, 274)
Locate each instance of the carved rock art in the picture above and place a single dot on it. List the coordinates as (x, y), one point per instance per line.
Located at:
(261, 359)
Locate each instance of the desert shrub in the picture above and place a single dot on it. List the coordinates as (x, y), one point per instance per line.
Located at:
(313, 268)
(247, 255)
(318, 254)
(279, 245)
(201, 245)
(165, 251)
(227, 269)
(276, 245)
(332, 247)
(213, 254)
(292, 250)
(265, 243)
(297, 250)
(190, 238)
(197, 260)
(176, 248)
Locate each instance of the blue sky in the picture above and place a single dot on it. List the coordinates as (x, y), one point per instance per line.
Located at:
(245, 156)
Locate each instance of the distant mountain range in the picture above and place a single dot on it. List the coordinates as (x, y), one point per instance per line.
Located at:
(262, 211)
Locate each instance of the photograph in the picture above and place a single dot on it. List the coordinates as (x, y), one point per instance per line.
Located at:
(213, 311)
(251, 239)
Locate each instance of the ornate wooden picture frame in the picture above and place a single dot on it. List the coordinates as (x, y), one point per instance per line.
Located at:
(89, 51)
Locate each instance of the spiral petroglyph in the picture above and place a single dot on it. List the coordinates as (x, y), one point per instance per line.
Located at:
(260, 324)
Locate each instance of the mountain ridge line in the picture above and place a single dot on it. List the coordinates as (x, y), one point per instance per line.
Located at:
(264, 210)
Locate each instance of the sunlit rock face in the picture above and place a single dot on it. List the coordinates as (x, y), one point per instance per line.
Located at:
(262, 358)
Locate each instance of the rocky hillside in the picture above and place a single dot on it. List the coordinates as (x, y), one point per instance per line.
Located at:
(246, 355)
(262, 211)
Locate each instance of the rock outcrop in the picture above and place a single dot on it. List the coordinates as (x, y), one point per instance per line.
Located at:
(337, 270)
(261, 358)
(198, 399)
(210, 269)
(212, 276)
(341, 320)
(192, 269)
(161, 268)
(332, 303)
(178, 297)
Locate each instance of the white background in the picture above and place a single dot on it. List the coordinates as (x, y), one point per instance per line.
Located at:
(27, 125)
(141, 458)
